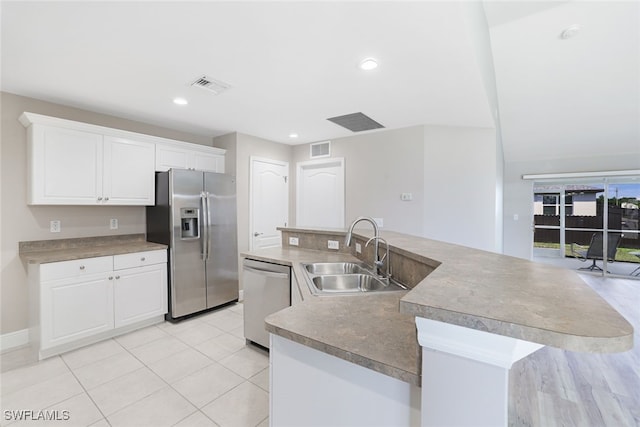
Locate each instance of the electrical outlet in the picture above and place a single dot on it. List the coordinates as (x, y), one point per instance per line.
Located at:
(406, 197)
(293, 241)
(113, 224)
(333, 244)
(54, 226)
(358, 248)
(379, 221)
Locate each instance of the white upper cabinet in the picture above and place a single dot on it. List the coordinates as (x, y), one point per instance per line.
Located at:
(129, 169)
(65, 166)
(189, 156)
(73, 163)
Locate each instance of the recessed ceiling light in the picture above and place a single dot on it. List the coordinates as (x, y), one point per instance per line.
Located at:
(180, 101)
(570, 32)
(293, 135)
(368, 64)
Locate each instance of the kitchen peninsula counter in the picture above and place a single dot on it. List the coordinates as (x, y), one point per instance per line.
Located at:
(471, 288)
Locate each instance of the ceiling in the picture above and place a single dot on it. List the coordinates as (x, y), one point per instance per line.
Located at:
(292, 65)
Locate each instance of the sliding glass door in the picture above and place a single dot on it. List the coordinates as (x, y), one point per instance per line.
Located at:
(589, 224)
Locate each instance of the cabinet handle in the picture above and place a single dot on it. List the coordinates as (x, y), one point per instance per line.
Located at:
(99, 198)
(117, 277)
(110, 277)
(82, 267)
(106, 199)
(143, 259)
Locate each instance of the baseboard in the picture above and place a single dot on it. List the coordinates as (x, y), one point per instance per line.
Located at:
(241, 296)
(12, 340)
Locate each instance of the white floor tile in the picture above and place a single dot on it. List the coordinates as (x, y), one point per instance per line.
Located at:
(82, 411)
(261, 379)
(201, 333)
(140, 337)
(237, 308)
(26, 376)
(105, 370)
(92, 353)
(221, 346)
(102, 423)
(125, 390)
(17, 358)
(225, 320)
(246, 362)
(245, 405)
(264, 423)
(43, 394)
(197, 419)
(158, 349)
(238, 332)
(179, 365)
(203, 386)
(181, 326)
(163, 408)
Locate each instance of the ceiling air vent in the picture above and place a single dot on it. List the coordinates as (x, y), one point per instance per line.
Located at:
(212, 85)
(356, 122)
(320, 149)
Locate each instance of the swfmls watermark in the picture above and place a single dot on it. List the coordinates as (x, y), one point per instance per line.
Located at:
(31, 415)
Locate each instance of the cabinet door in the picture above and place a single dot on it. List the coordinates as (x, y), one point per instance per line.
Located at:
(140, 293)
(76, 308)
(208, 162)
(66, 166)
(170, 157)
(129, 168)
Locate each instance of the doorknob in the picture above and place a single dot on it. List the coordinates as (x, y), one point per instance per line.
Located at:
(256, 234)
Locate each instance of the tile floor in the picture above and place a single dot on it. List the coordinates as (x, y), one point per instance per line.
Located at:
(198, 372)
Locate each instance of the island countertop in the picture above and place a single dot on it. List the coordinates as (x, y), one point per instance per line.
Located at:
(469, 287)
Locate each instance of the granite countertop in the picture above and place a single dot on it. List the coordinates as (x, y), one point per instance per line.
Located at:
(469, 287)
(46, 251)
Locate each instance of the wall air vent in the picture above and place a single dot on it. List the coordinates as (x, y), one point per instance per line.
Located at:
(212, 85)
(356, 122)
(320, 149)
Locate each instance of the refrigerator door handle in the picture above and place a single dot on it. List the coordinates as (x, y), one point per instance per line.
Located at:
(204, 221)
(208, 225)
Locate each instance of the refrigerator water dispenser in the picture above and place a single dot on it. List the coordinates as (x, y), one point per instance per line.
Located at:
(189, 223)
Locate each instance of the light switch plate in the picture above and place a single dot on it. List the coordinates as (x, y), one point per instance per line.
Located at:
(358, 248)
(333, 244)
(113, 223)
(54, 226)
(293, 241)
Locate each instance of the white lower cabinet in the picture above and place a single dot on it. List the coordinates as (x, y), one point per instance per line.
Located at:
(82, 301)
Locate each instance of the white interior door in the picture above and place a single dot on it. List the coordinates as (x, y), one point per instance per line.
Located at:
(320, 193)
(269, 202)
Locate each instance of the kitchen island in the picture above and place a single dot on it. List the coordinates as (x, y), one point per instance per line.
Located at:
(485, 309)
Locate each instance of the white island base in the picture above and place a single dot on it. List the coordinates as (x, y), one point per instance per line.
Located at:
(312, 388)
(465, 382)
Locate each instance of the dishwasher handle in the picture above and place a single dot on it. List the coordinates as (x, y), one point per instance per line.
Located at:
(267, 273)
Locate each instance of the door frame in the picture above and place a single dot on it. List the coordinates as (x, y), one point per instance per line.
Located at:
(332, 161)
(252, 160)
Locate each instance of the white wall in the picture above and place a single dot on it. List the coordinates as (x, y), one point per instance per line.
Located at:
(518, 193)
(461, 180)
(379, 166)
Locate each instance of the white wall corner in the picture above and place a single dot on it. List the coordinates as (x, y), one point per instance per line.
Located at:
(13, 340)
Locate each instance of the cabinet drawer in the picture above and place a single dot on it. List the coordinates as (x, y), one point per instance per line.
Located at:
(139, 259)
(75, 268)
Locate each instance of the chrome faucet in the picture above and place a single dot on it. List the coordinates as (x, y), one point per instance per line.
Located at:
(347, 240)
(380, 263)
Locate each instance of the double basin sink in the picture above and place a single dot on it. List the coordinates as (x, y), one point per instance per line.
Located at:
(336, 278)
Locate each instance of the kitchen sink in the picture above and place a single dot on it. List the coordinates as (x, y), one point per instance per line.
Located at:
(346, 278)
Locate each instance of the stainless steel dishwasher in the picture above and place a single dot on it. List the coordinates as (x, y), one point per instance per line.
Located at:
(267, 289)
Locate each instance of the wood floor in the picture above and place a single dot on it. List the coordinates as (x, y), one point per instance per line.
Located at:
(553, 387)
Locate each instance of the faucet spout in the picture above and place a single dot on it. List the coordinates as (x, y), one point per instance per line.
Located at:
(347, 240)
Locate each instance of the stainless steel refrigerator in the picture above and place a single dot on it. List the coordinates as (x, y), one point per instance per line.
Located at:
(195, 214)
